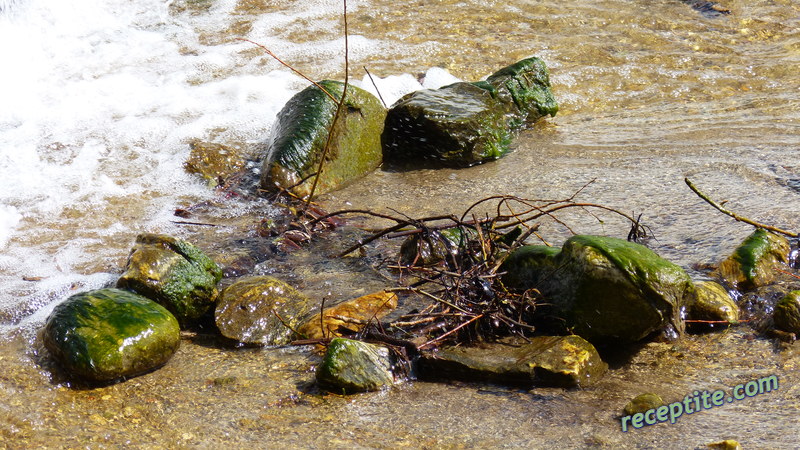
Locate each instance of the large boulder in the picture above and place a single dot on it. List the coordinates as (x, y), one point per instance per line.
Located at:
(464, 124)
(603, 289)
(174, 273)
(353, 366)
(300, 133)
(107, 334)
(753, 264)
(261, 310)
(564, 361)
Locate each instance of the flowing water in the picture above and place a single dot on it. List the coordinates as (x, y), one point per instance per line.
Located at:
(99, 100)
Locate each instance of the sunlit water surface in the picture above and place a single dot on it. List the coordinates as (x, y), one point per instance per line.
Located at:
(99, 101)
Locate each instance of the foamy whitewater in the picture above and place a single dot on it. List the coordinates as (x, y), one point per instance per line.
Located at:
(98, 101)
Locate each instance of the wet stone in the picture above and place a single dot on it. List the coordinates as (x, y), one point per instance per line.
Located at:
(107, 334)
(351, 366)
(643, 403)
(787, 313)
(753, 264)
(713, 303)
(349, 317)
(261, 310)
(174, 273)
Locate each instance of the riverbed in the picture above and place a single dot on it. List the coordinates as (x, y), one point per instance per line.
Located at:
(94, 129)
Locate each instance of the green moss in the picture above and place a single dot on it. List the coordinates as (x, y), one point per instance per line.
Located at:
(301, 132)
(526, 85)
(787, 313)
(753, 263)
(352, 366)
(110, 333)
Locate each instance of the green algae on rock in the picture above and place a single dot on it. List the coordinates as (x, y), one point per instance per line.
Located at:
(712, 303)
(261, 310)
(643, 403)
(174, 273)
(753, 263)
(107, 334)
(216, 163)
(351, 366)
(464, 124)
(604, 289)
(787, 313)
(298, 139)
(564, 361)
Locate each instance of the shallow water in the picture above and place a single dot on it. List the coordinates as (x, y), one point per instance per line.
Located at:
(94, 125)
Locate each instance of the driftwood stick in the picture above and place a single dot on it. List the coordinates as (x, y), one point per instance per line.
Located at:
(736, 216)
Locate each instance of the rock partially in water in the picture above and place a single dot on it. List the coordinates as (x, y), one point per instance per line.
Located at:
(261, 310)
(727, 444)
(353, 366)
(564, 361)
(174, 273)
(787, 313)
(300, 133)
(754, 262)
(351, 316)
(216, 163)
(712, 303)
(643, 403)
(430, 248)
(604, 289)
(464, 124)
(107, 334)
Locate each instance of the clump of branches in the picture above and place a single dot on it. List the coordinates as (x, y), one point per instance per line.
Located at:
(455, 263)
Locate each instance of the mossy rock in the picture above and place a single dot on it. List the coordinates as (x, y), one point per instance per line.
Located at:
(430, 248)
(563, 361)
(754, 262)
(216, 163)
(643, 403)
(712, 303)
(603, 289)
(107, 334)
(300, 133)
(261, 310)
(787, 313)
(353, 366)
(174, 273)
(525, 86)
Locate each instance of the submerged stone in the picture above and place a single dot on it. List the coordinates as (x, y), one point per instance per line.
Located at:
(351, 316)
(564, 361)
(174, 273)
(787, 313)
(643, 403)
(754, 262)
(353, 366)
(216, 163)
(712, 303)
(464, 124)
(261, 310)
(107, 334)
(300, 133)
(603, 289)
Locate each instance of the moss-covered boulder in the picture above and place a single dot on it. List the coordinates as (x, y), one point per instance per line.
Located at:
(603, 289)
(174, 273)
(787, 313)
(464, 124)
(754, 262)
(712, 303)
(353, 366)
(298, 139)
(350, 316)
(107, 334)
(643, 403)
(261, 310)
(564, 361)
(216, 163)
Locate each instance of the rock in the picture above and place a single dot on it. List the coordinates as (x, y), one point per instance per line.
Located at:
(429, 249)
(174, 273)
(464, 124)
(712, 303)
(299, 135)
(352, 315)
(753, 263)
(107, 334)
(643, 403)
(216, 163)
(787, 313)
(564, 361)
(353, 366)
(261, 310)
(604, 289)
(727, 444)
